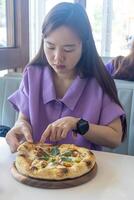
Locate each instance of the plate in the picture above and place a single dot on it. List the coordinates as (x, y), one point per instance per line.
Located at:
(53, 184)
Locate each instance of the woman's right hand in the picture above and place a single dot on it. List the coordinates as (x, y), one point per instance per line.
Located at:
(20, 132)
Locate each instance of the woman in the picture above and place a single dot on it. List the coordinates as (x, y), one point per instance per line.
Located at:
(122, 67)
(66, 88)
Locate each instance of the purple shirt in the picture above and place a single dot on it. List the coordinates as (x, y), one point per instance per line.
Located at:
(110, 68)
(36, 99)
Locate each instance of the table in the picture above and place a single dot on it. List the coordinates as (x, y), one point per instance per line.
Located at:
(114, 180)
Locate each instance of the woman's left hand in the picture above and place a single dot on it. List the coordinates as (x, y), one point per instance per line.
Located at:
(59, 129)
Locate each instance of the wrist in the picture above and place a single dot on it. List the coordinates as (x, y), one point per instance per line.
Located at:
(22, 122)
(76, 120)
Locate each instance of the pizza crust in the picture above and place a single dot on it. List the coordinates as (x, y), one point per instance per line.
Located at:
(44, 161)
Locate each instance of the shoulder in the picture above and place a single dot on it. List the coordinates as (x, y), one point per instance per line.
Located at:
(96, 92)
(33, 76)
(109, 66)
(34, 71)
(31, 69)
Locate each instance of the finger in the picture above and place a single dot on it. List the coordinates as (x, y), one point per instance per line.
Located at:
(64, 133)
(54, 132)
(45, 135)
(12, 141)
(27, 134)
(22, 140)
(57, 134)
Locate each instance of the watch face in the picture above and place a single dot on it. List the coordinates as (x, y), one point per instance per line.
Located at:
(82, 126)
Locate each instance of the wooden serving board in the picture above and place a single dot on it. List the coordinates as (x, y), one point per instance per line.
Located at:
(52, 184)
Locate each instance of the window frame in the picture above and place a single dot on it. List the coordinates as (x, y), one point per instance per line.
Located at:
(83, 3)
(17, 56)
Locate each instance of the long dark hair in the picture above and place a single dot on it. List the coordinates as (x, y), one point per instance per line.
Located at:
(90, 64)
(124, 66)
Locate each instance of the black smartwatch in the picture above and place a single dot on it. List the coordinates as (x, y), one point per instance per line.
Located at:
(82, 127)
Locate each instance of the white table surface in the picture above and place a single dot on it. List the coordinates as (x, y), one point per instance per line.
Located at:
(114, 180)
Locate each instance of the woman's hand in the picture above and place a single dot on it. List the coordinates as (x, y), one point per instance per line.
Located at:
(18, 134)
(59, 129)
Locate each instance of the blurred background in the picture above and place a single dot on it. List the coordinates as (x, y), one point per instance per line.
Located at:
(112, 24)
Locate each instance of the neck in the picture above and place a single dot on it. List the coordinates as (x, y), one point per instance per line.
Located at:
(62, 83)
(64, 77)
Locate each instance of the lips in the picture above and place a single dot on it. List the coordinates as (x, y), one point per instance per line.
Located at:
(60, 66)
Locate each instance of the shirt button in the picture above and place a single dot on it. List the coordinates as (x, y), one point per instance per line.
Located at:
(58, 102)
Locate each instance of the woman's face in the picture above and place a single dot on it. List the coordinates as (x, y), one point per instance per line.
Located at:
(63, 50)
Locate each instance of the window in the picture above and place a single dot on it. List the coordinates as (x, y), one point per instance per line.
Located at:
(6, 18)
(112, 24)
(14, 33)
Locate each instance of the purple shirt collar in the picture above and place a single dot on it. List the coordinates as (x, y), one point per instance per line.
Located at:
(49, 93)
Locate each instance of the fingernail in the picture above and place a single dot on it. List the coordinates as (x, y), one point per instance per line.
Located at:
(30, 140)
(12, 149)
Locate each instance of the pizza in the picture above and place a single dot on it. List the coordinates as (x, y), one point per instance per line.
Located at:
(53, 162)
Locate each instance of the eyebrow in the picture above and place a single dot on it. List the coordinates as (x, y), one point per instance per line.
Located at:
(66, 45)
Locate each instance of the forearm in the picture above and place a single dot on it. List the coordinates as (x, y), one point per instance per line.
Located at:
(23, 121)
(104, 135)
(21, 118)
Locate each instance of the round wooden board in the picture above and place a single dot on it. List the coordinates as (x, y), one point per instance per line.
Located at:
(52, 184)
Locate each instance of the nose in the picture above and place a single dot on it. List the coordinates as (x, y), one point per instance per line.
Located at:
(59, 56)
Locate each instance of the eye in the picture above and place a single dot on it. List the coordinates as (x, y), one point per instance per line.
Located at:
(69, 49)
(49, 46)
